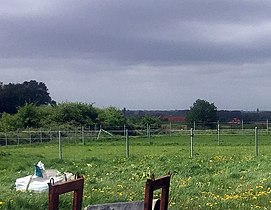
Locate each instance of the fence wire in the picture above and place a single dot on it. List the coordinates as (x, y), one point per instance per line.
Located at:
(88, 134)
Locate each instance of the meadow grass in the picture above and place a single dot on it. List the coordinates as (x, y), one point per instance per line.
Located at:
(225, 176)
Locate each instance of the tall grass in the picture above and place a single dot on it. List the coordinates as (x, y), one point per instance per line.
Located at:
(225, 176)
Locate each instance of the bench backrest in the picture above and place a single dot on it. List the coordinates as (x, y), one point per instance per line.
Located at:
(155, 184)
(57, 189)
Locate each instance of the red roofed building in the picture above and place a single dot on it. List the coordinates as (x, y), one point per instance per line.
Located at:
(235, 121)
(173, 119)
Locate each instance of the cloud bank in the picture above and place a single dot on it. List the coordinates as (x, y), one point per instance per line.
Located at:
(141, 54)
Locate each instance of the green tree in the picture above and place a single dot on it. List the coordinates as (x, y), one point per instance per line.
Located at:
(153, 121)
(8, 122)
(28, 116)
(13, 95)
(202, 112)
(111, 117)
(48, 116)
(77, 114)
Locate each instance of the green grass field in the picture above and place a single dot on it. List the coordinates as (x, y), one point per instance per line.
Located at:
(225, 176)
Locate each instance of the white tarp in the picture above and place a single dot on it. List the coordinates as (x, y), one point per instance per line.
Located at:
(35, 183)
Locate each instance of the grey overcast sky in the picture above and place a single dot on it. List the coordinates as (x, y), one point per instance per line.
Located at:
(143, 54)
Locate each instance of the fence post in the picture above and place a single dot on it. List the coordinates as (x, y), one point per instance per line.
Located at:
(191, 142)
(75, 134)
(267, 126)
(194, 125)
(18, 137)
(242, 127)
(127, 143)
(83, 137)
(149, 133)
(170, 127)
(40, 135)
(256, 142)
(59, 145)
(218, 133)
(30, 138)
(6, 138)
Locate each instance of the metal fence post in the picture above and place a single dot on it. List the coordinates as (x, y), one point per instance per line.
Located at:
(83, 137)
(127, 143)
(242, 127)
(6, 138)
(18, 137)
(40, 135)
(194, 125)
(149, 134)
(267, 126)
(60, 145)
(30, 138)
(191, 142)
(218, 133)
(50, 134)
(256, 142)
(170, 127)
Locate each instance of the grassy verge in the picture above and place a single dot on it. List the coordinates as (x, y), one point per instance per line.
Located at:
(225, 176)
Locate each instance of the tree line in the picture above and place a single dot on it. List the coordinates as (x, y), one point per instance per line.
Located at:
(29, 105)
(69, 115)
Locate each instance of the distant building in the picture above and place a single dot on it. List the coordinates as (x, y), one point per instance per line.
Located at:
(236, 121)
(173, 119)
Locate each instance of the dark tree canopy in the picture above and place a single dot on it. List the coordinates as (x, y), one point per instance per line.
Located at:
(13, 96)
(202, 112)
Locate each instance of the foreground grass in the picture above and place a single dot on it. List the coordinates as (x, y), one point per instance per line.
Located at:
(226, 176)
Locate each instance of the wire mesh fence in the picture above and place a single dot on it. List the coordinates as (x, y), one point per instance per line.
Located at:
(217, 133)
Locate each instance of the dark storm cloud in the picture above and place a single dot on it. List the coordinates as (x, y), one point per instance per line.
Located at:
(128, 32)
(153, 54)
